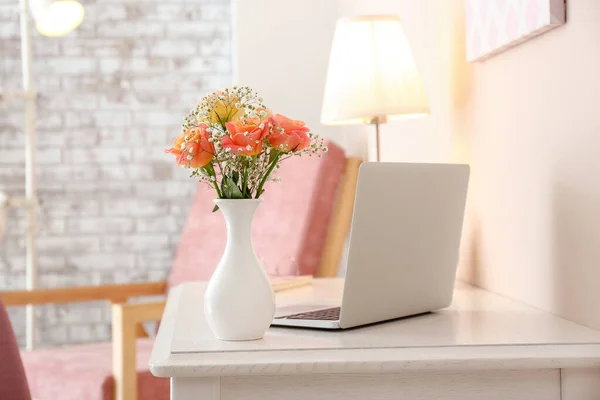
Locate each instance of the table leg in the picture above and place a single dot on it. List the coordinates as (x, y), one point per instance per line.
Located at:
(195, 388)
(580, 384)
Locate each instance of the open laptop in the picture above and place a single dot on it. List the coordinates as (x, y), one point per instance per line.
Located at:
(404, 245)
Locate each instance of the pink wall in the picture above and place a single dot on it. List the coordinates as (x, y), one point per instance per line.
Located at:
(532, 129)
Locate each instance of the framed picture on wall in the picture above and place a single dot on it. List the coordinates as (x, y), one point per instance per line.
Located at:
(494, 26)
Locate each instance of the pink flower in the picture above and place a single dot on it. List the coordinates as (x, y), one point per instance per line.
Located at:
(193, 148)
(245, 136)
(288, 134)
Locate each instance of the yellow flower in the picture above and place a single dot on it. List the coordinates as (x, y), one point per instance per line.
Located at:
(224, 107)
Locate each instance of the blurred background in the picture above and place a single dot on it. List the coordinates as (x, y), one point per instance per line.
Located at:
(112, 95)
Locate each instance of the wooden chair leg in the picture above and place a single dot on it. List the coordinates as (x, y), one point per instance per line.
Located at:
(126, 324)
(123, 350)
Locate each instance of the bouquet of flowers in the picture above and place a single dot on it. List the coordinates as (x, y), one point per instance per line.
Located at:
(233, 142)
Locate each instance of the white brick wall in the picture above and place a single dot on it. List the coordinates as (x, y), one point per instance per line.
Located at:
(112, 96)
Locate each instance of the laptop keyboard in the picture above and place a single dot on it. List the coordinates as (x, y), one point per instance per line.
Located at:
(327, 314)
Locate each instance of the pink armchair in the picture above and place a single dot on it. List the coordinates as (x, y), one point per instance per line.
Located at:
(13, 383)
(304, 218)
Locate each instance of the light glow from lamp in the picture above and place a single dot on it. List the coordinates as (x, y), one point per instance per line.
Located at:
(372, 73)
(56, 18)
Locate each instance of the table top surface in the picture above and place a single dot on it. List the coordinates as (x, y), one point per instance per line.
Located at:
(479, 330)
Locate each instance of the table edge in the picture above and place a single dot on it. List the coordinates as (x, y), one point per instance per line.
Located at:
(337, 361)
(164, 363)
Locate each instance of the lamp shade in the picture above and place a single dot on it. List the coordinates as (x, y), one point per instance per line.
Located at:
(56, 17)
(372, 73)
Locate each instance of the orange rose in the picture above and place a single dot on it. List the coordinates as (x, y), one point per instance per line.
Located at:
(245, 136)
(288, 134)
(177, 145)
(193, 148)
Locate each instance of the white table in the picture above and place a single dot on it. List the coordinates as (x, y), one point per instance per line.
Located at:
(483, 347)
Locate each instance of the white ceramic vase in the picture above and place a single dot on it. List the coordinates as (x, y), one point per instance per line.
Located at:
(239, 302)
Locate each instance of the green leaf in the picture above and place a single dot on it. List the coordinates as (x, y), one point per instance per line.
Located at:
(215, 209)
(235, 176)
(230, 189)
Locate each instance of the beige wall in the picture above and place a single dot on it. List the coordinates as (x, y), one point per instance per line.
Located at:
(528, 121)
(285, 60)
(533, 119)
(436, 32)
(295, 85)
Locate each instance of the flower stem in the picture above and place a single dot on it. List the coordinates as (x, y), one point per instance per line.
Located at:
(211, 171)
(216, 185)
(264, 179)
(245, 179)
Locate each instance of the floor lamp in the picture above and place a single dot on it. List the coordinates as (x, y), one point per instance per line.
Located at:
(372, 76)
(52, 18)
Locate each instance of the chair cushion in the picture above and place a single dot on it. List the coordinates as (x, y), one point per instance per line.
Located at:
(85, 372)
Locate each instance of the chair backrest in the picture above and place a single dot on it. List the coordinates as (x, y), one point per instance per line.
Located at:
(289, 230)
(13, 382)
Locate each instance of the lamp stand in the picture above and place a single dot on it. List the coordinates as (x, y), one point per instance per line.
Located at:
(377, 121)
(377, 149)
